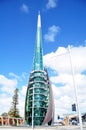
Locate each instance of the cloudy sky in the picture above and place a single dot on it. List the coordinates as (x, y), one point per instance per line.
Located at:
(63, 24)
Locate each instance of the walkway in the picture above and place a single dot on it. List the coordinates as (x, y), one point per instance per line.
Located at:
(43, 128)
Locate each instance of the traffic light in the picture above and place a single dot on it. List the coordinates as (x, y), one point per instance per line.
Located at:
(58, 117)
(74, 107)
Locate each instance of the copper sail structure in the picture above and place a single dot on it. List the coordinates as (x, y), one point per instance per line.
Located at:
(39, 104)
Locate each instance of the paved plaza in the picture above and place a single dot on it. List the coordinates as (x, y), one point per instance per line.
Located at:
(43, 128)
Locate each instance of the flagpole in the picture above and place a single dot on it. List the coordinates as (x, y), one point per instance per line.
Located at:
(76, 93)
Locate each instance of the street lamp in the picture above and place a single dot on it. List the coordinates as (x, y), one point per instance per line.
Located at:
(76, 93)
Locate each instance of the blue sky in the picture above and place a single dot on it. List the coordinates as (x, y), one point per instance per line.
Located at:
(63, 23)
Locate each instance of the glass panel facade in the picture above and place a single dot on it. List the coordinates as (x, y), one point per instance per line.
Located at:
(39, 97)
(38, 92)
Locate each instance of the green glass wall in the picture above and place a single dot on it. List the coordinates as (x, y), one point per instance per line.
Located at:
(37, 98)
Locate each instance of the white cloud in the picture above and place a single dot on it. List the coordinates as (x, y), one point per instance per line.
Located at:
(14, 76)
(62, 83)
(23, 90)
(7, 87)
(5, 102)
(24, 8)
(21, 77)
(24, 75)
(60, 61)
(22, 95)
(51, 4)
(52, 32)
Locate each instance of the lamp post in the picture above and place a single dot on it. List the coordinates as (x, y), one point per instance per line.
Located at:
(76, 93)
(33, 110)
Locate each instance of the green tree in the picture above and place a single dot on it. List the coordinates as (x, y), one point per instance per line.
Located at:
(14, 111)
(4, 114)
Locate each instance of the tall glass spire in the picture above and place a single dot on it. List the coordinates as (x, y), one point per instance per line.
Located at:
(38, 57)
(39, 108)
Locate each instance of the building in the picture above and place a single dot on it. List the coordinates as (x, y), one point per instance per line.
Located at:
(39, 104)
(11, 121)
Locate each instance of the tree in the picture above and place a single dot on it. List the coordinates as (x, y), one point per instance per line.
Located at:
(4, 114)
(14, 112)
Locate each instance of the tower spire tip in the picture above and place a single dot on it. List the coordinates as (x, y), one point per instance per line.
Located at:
(39, 19)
